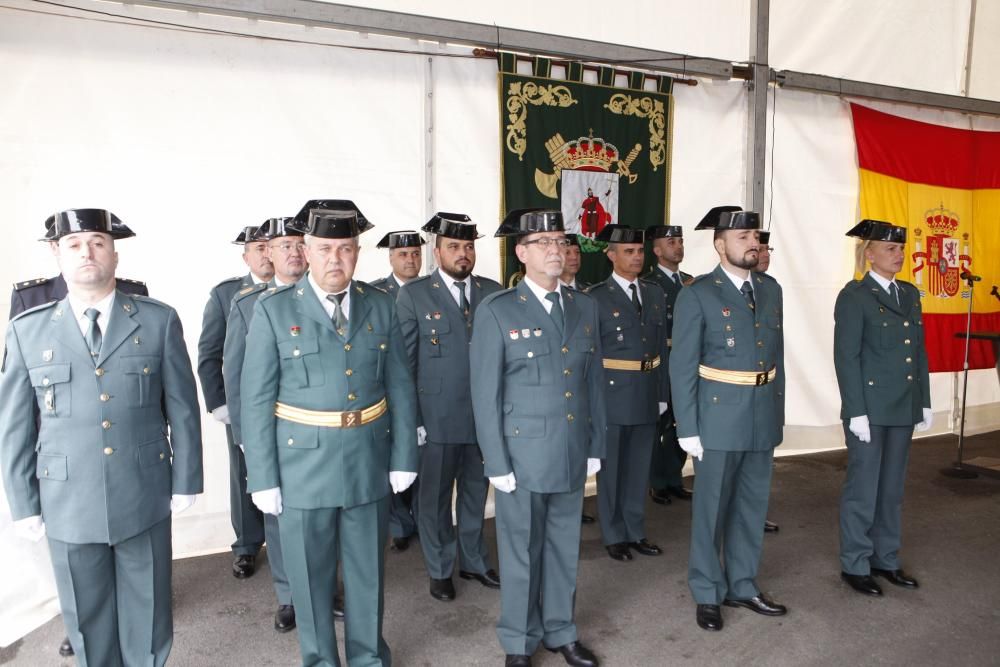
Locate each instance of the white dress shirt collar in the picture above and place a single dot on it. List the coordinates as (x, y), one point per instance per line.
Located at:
(625, 283)
(883, 282)
(321, 294)
(540, 293)
(103, 306)
(736, 280)
(450, 283)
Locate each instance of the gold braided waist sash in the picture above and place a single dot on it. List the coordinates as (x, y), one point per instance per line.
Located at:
(749, 378)
(346, 419)
(644, 366)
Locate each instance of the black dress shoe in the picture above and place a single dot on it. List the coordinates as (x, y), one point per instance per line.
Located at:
(244, 566)
(66, 649)
(759, 603)
(442, 589)
(586, 518)
(680, 492)
(646, 548)
(284, 618)
(400, 543)
(576, 654)
(709, 617)
(862, 583)
(619, 551)
(896, 577)
(489, 578)
(518, 661)
(338, 607)
(660, 496)
(770, 526)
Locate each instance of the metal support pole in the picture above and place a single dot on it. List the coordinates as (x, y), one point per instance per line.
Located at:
(757, 106)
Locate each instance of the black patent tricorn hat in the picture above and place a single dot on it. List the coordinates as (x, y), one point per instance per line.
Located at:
(403, 239)
(246, 235)
(621, 234)
(273, 228)
(453, 226)
(665, 231)
(523, 221)
(729, 217)
(331, 219)
(74, 220)
(878, 230)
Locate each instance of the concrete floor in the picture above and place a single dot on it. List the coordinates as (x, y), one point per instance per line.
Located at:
(641, 613)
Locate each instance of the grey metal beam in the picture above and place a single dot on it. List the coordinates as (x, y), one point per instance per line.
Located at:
(757, 106)
(848, 88)
(376, 21)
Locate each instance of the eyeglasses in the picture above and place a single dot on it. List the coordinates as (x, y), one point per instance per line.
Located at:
(288, 247)
(547, 243)
(769, 249)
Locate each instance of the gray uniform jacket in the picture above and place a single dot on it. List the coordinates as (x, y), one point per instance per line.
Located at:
(389, 285)
(100, 466)
(437, 341)
(719, 330)
(539, 398)
(213, 338)
(237, 328)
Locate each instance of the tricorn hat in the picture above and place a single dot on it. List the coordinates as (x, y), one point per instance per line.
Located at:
(878, 230)
(273, 228)
(665, 231)
(246, 234)
(522, 221)
(331, 219)
(403, 239)
(453, 226)
(729, 217)
(621, 234)
(76, 220)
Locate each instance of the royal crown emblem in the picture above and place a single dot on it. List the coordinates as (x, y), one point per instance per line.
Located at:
(945, 257)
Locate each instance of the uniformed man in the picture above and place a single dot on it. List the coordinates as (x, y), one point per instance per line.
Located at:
(633, 336)
(540, 418)
(665, 479)
(328, 419)
(881, 362)
(30, 293)
(286, 252)
(91, 385)
(405, 259)
(764, 250)
(247, 520)
(435, 315)
(728, 382)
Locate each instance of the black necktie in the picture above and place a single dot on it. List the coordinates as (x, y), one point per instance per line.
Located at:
(635, 298)
(747, 290)
(463, 302)
(93, 337)
(893, 292)
(339, 320)
(677, 279)
(556, 312)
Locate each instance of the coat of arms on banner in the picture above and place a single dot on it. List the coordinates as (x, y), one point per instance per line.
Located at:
(945, 256)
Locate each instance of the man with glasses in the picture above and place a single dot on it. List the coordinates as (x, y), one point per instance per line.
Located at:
(633, 337)
(540, 419)
(435, 315)
(246, 519)
(285, 249)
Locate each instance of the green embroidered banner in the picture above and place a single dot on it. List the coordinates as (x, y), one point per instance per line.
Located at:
(600, 154)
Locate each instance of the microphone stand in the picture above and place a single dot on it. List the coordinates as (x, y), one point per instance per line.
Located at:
(957, 470)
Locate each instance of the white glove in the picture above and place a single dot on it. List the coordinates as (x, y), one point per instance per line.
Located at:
(30, 528)
(401, 481)
(505, 483)
(421, 436)
(242, 448)
(859, 427)
(593, 466)
(180, 502)
(925, 425)
(221, 414)
(268, 501)
(663, 407)
(692, 446)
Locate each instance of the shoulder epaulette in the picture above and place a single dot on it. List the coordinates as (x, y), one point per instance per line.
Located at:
(271, 291)
(149, 300)
(130, 281)
(500, 294)
(30, 283)
(480, 280)
(229, 280)
(34, 309)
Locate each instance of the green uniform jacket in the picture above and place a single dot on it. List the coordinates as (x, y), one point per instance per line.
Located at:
(719, 330)
(879, 354)
(389, 285)
(670, 292)
(626, 336)
(437, 341)
(104, 468)
(237, 327)
(213, 337)
(295, 356)
(538, 399)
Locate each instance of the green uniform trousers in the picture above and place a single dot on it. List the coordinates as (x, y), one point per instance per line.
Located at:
(311, 541)
(115, 599)
(538, 540)
(872, 499)
(668, 457)
(731, 490)
(247, 520)
(621, 483)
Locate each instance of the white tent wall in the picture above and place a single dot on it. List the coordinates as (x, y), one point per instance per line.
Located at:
(984, 81)
(189, 136)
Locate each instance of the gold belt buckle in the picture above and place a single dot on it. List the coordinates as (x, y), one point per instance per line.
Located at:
(647, 365)
(762, 379)
(350, 419)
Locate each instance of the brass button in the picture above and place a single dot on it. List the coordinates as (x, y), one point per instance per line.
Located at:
(906, 342)
(45, 382)
(517, 431)
(906, 324)
(162, 456)
(348, 372)
(347, 347)
(352, 396)
(611, 381)
(569, 394)
(381, 346)
(871, 383)
(565, 349)
(618, 328)
(570, 417)
(296, 352)
(108, 451)
(885, 324)
(643, 339)
(106, 424)
(760, 343)
(909, 360)
(715, 399)
(909, 378)
(756, 325)
(729, 327)
(567, 372)
(46, 472)
(291, 441)
(530, 354)
(105, 397)
(760, 363)
(99, 372)
(145, 370)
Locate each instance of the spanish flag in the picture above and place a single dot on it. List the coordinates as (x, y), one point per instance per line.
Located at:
(943, 185)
